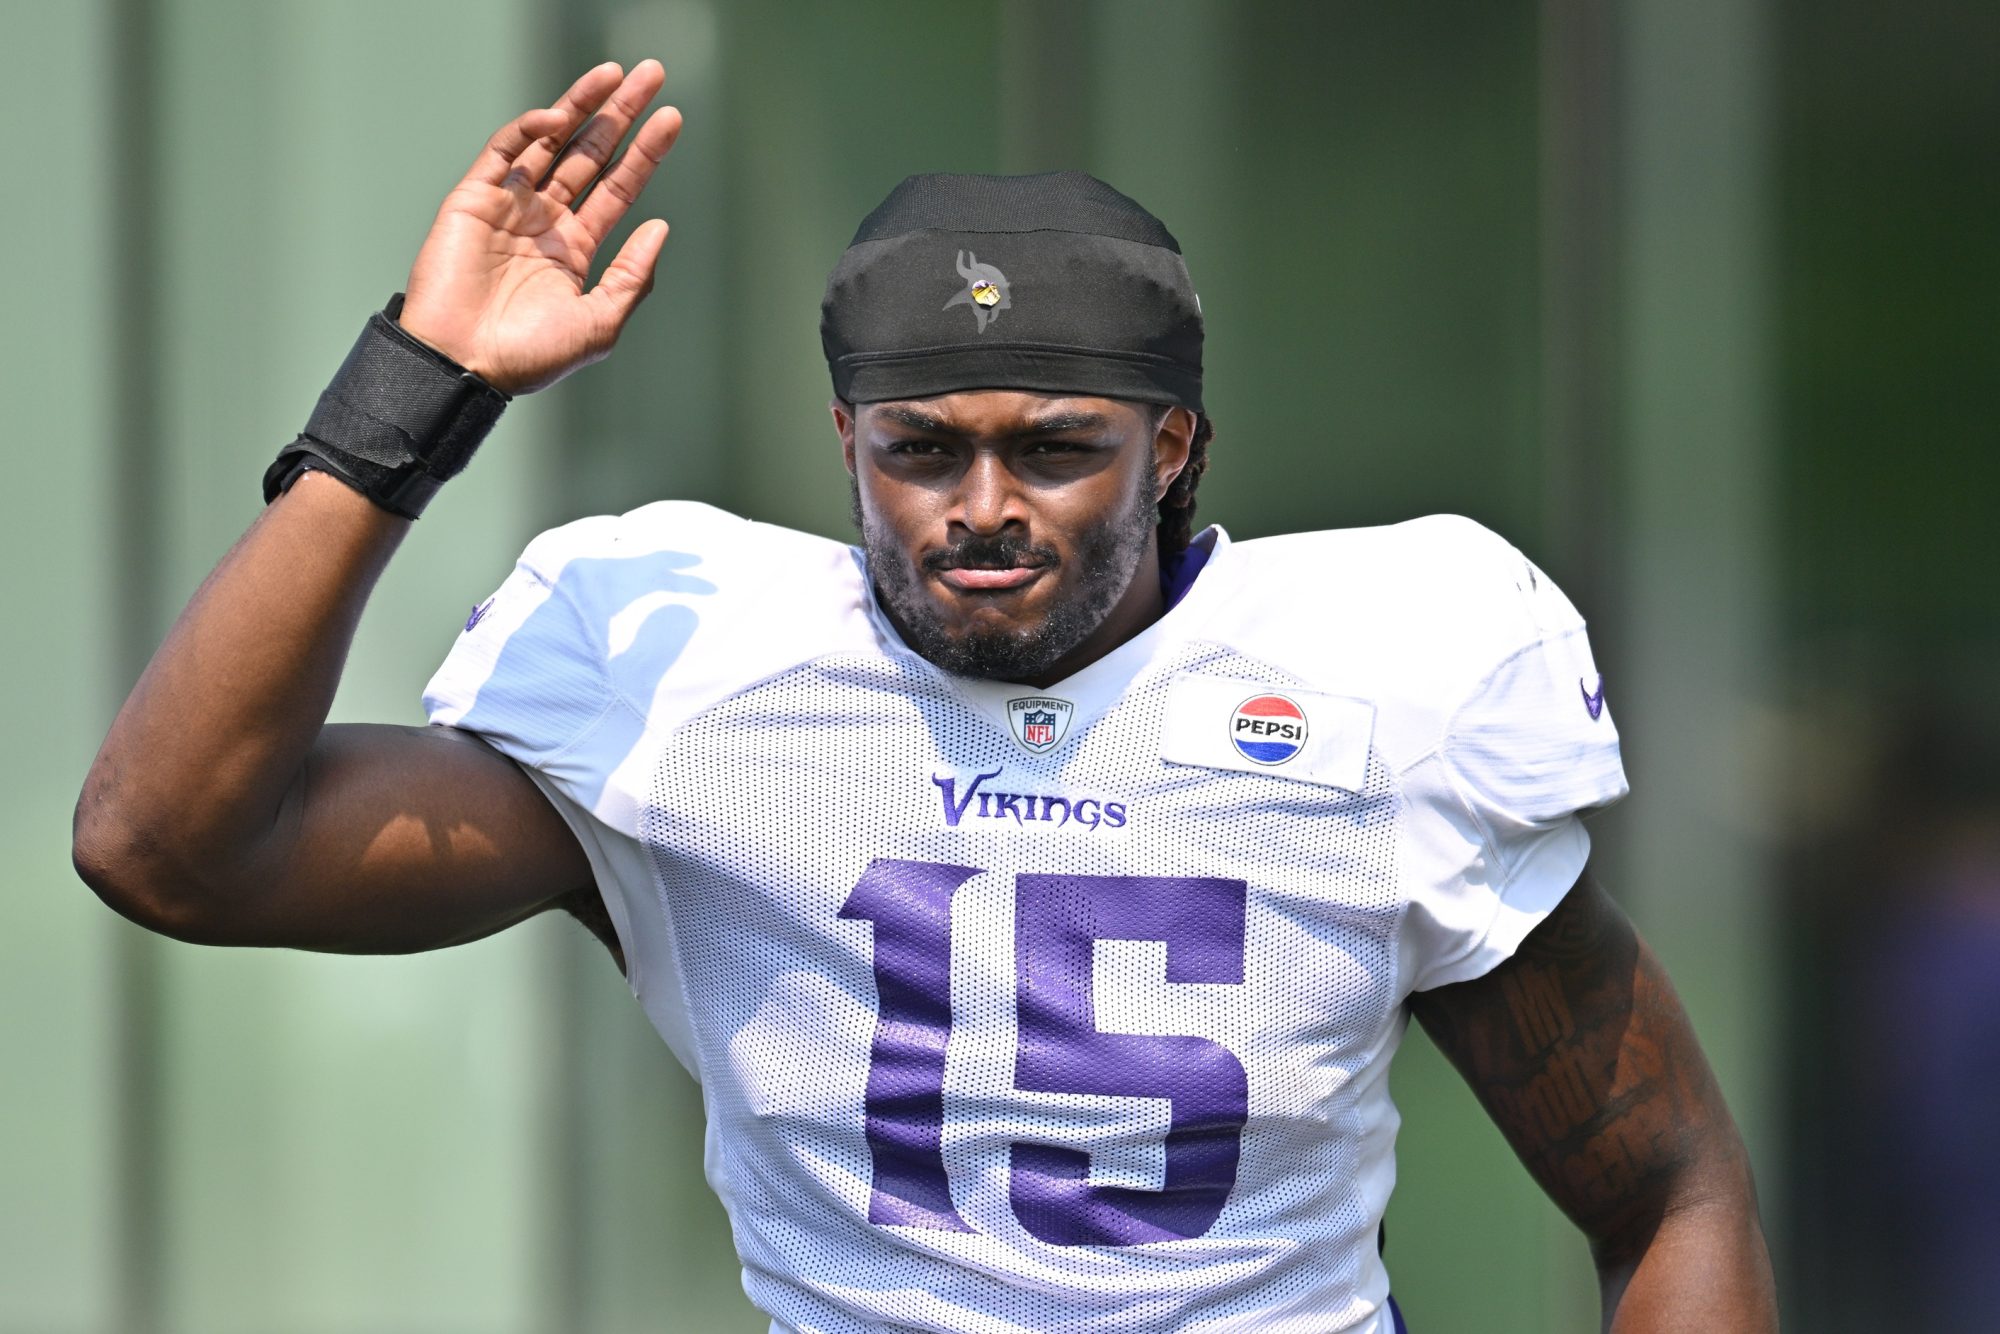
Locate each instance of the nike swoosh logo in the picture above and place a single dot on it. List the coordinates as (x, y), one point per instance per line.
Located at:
(1595, 703)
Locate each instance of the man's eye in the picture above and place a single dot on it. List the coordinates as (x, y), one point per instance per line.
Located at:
(917, 448)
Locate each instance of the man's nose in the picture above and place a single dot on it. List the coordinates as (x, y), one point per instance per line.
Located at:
(988, 498)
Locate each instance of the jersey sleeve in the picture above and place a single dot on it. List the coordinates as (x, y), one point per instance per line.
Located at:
(523, 674)
(557, 670)
(564, 667)
(1526, 753)
(531, 675)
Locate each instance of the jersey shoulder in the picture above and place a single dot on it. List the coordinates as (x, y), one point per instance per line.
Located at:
(658, 612)
(1412, 615)
(682, 592)
(598, 560)
(1441, 583)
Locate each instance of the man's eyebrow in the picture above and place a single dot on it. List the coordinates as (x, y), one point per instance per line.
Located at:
(916, 419)
(1057, 422)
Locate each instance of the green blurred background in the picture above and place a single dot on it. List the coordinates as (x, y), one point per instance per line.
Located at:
(1695, 300)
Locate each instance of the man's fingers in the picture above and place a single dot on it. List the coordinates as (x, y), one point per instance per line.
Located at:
(620, 187)
(584, 97)
(522, 134)
(578, 164)
(630, 276)
(509, 142)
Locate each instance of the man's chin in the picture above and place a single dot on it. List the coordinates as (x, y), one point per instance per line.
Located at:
(989, 653)
(985, 618)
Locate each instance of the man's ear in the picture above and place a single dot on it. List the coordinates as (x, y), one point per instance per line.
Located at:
(1172, 443)
(843, 423)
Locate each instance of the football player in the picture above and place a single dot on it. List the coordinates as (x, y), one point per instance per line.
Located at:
(1039, 889)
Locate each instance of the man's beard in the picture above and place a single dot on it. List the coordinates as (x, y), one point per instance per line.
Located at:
(1107, 557)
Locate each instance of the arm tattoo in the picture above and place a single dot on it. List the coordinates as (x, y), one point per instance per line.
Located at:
(1580, 1052)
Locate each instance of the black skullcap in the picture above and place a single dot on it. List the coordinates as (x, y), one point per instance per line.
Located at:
(1055, 283)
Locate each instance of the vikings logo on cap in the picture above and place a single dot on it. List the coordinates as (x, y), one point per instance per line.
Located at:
(985, 290)
(1039, 721)
(1268, 729)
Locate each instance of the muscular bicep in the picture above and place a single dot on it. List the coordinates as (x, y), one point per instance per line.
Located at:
(1580, 1051)
(395, 839)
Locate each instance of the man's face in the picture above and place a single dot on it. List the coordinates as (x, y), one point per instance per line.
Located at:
(1005, 529)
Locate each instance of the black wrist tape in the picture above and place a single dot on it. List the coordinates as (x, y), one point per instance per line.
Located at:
(398, 421)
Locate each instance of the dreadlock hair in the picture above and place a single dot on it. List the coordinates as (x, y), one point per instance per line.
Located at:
(1177, 506)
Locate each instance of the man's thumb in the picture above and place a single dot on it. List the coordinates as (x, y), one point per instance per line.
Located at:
(629, 277)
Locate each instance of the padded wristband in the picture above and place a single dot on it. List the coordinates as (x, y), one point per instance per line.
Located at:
(398, 421)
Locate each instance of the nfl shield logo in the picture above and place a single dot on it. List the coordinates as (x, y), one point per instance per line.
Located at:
(1040, 722)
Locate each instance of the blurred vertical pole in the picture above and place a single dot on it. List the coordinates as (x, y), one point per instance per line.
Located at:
(1578, 225)
(1047, 70)
(1697, 642)
(62, 663)
(563, 1240)
(135, 262)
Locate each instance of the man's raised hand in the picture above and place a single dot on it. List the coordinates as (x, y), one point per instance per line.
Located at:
(500, 284)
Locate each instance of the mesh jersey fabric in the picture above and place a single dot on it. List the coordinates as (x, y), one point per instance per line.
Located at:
(1093, 1038)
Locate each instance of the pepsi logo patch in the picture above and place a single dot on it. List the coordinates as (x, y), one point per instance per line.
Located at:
(1268, 729)
(1287, 732)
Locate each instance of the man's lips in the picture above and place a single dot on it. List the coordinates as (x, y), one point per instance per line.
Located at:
(967, 579)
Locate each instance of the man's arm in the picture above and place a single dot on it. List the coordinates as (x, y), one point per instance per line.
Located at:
(221, 807)
(1581, 1053)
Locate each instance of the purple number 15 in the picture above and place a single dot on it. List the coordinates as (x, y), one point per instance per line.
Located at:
(1057, 921)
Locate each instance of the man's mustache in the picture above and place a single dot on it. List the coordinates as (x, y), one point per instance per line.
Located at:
(989, 553)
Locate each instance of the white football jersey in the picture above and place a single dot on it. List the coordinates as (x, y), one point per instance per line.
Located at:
(1026, 1009)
